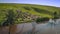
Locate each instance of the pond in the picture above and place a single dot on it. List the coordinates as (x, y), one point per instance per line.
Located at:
(26, 28)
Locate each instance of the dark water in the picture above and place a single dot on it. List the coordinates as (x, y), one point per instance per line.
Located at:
(26, 28)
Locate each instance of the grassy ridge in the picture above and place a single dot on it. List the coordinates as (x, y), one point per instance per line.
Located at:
(39, 10)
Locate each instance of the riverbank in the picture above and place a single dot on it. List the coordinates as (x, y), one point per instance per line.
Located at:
(26, 28)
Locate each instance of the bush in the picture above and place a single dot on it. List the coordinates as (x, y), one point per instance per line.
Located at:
(27, 8)
(56, 17)
(0, 24)
(42, 19)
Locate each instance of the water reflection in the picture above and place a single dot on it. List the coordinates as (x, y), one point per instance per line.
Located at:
(26, 28)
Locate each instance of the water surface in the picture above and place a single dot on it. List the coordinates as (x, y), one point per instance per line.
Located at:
(26, 28)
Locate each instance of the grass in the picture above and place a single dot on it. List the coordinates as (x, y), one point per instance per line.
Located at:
(39, 10)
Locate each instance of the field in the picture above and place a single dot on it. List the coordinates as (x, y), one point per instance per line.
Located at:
(29, 11)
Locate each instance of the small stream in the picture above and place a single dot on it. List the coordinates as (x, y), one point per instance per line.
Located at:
(26, 28)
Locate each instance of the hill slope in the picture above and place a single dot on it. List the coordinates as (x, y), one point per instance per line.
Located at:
(38, 10)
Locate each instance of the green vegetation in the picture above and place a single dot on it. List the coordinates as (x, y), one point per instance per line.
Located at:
(40, 20)
(28, 12)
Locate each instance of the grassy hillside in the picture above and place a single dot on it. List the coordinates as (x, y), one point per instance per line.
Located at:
(38, 10)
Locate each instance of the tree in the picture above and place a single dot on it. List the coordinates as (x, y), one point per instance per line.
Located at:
(55, 15)
(42, 19)
(38, 20)
(13, 19)
(10, 19)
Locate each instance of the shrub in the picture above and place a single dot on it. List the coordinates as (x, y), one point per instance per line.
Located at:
(27, 8)
(42, 19)
(55, 15)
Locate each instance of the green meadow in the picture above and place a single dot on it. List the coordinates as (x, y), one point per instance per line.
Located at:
(38, 10)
